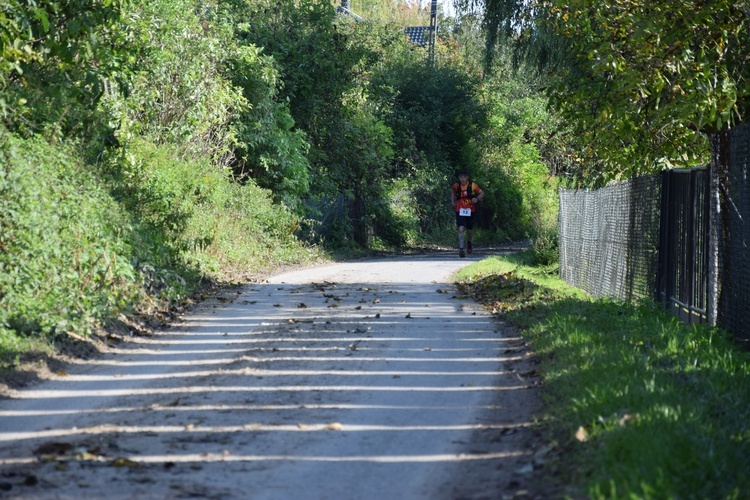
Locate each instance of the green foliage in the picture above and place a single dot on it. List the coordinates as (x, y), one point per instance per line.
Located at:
(434, 109)
(398, 13)
(637, 403)
(545, 248)
(179, 95)
(435, 116)
(58, 59)
(318, 61)
(518, 162)
(268, 149)
(66, 259)
(641, 83)
(311, 53)
(73, 257)
(192, 214)
(163, 190)
(241, 231)
(396, 221)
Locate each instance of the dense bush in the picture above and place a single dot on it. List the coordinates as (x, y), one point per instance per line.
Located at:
(66, 257)
(195, 214)
(79, 248)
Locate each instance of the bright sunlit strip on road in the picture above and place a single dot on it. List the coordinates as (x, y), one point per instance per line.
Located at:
(204, 408)
(307, 359)
(232, 338)
(250, 427)
(276, 373)
(98, 393)
(228, 457)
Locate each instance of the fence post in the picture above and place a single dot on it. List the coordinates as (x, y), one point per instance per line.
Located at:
(663, 248)
(714, 227)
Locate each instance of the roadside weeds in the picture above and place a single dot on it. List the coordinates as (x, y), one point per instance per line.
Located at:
(637, 404)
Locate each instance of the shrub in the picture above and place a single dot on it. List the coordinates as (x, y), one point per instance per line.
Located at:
(65, 253)
(544, 249)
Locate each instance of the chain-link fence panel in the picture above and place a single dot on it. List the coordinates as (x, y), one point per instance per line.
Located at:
(609, 238)
(734, 244)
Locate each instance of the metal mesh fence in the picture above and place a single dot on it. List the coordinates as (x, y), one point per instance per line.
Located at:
(682, 277)
(609, 238)
(734, 244)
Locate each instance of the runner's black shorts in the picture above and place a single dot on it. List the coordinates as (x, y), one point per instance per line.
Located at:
(466, 221)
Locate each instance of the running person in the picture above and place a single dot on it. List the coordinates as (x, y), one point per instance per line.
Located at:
(464, 197)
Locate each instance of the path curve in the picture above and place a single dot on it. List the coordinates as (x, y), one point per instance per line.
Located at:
(361, 380)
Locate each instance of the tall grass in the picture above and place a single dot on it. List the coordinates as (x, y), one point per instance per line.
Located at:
(639, 404)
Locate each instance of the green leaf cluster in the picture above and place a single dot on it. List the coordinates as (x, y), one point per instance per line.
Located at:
(65, 261)
(642, 84)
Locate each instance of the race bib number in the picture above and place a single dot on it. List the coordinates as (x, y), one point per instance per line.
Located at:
(464, 212)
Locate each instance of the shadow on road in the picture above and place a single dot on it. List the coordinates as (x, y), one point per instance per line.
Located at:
(267, 387)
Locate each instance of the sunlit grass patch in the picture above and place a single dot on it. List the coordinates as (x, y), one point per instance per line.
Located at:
(640, 405)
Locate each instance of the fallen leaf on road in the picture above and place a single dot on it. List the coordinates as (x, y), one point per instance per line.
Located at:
(582, 435)
(125, 462)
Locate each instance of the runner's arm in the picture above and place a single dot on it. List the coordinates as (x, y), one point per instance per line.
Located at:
(479, 194)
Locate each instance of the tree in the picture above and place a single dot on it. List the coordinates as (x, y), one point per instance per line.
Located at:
(57, 58)
(643, 83)
(648, 81)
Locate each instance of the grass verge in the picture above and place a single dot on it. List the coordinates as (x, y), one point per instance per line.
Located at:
(638, 404)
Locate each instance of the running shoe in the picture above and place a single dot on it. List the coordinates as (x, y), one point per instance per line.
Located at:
(469, 248)
(461, 252)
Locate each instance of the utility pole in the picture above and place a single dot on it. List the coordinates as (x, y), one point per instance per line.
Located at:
(433, 31)
(345, 8)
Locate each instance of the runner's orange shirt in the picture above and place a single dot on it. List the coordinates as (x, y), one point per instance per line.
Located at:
(463, 201)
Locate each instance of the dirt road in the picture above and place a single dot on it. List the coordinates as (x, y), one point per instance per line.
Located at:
(365, 380)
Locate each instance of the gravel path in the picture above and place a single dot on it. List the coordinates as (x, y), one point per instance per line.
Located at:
(364, 380)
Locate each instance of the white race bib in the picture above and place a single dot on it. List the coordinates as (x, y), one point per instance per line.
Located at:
(464, 212)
